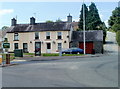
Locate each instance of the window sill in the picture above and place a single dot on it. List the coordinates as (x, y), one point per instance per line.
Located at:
(59, 39)
(36, 39)
(15, 40)
(47, 39)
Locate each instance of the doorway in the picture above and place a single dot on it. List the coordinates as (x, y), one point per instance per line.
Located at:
(37, 48)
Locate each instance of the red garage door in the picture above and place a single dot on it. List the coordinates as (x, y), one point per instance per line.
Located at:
(89, 47)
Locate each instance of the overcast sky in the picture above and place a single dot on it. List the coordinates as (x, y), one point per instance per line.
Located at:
(49, 11)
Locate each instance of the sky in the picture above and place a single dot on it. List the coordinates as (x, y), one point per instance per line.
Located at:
(43, 11)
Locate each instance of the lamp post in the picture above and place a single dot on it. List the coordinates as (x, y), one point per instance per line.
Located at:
(84, 28)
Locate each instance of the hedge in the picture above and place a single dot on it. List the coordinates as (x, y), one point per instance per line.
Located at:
(118, 37)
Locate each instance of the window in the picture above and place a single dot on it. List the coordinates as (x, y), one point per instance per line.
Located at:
(36, 35)
(15, 45)
(59, 46)
(25, 47)
(48, 46)
(15, 36)
(59, 35)
(47, 35)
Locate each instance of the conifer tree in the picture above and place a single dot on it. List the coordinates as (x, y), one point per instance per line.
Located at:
(81, 17)
(94, 21)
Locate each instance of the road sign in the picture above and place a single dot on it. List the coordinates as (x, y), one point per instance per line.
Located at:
(6, 45)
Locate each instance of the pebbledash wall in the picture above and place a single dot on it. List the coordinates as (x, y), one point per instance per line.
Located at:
(29, 38)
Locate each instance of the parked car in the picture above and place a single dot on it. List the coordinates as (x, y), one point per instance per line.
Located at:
(73, 51)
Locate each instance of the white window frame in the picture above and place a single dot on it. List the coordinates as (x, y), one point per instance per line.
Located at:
(59, 34)
(16, 36)
(47, 34)
(37, 34)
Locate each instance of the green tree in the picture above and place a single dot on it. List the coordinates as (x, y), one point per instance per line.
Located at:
(116, 27)
(94, 21)
(114, 21)
(49, 21)
(80, 24)
(4, 27)
(59, 20)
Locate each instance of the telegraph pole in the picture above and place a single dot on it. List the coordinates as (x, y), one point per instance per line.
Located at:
(84, 28)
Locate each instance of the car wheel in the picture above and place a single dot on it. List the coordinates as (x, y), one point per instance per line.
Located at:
(78, 52)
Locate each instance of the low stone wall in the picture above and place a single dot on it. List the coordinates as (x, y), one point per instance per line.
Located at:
(98, 46)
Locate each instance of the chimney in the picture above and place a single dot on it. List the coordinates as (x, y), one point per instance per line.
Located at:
(69, 18)
(13, 22)
(32, 21)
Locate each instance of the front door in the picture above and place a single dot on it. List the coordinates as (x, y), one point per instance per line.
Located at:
(37, 48)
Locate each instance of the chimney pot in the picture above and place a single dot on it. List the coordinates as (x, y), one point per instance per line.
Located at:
(13, 22)
(69, 18)
(32, 21)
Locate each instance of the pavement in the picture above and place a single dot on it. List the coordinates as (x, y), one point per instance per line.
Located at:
(41, 58)
(21, 60)
(110, 48)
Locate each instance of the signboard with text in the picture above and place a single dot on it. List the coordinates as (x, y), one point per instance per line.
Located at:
(6, 45)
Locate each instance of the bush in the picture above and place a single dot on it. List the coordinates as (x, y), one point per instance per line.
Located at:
(116, 27)
(50, 54)
(118, 37)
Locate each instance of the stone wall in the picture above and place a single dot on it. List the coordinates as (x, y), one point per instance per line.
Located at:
(98, 46)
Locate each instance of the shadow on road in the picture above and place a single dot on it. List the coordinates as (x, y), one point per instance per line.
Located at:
(109, 42)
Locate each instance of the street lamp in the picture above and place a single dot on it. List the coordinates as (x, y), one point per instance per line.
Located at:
(84, 27)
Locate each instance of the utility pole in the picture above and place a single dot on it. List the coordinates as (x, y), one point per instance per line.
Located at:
(84, 28)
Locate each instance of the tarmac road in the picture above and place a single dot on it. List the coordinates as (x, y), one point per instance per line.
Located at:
(93, 71)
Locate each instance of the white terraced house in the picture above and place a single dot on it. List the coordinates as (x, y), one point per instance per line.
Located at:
(41, 37)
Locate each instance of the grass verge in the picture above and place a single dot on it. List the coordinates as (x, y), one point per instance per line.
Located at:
(56, 54)
(11, 56)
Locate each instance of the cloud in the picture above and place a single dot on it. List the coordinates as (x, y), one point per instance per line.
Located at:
(6, 11)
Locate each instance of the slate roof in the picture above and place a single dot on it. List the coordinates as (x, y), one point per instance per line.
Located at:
(55, 26)
(91, 35)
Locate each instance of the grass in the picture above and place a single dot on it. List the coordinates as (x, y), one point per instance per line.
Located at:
(72, 54)
(50, 54)
(56, 54)
(11, 56)
(44, 55)
(31, 54)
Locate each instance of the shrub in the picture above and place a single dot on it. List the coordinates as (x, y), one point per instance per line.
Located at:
(118, 37)
(116, 27)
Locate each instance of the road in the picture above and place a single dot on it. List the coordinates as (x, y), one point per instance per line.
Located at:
(99, 71)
